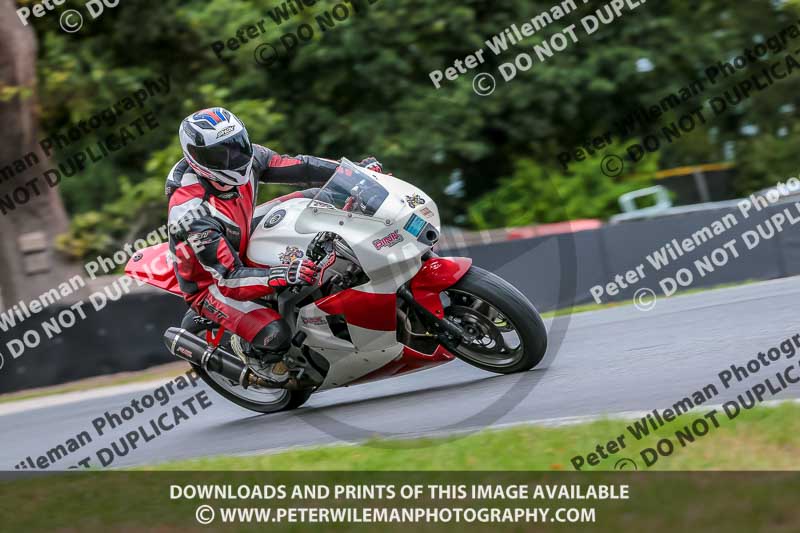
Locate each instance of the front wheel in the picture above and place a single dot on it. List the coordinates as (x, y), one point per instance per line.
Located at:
(503, 330)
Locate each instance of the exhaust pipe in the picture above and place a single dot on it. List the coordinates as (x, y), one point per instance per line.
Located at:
(192, 348)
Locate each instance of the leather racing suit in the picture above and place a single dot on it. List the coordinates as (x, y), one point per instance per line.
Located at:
(209, 244)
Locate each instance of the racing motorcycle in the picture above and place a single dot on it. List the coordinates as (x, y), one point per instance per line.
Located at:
(385, 304)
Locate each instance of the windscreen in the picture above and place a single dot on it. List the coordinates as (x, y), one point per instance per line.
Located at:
(352, 190)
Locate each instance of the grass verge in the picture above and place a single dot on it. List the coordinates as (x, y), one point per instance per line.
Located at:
(758, 439)
(576, 309)
(763, 438)
(167, 371)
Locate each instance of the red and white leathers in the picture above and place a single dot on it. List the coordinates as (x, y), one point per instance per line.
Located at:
(210, 243)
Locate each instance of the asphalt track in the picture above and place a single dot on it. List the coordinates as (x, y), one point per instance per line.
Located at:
(611, 361)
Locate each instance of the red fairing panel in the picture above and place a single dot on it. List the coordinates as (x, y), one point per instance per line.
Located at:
(409, 361)
(151, 265)
(363, 309)
(435, 276)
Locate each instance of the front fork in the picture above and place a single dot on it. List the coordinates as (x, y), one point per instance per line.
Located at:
(436, 275)
(449, 334)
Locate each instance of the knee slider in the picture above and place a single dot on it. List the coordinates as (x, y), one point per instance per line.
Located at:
(274, 337)
(194, 323)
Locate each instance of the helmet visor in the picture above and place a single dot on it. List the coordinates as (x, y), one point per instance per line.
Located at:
(231, 154)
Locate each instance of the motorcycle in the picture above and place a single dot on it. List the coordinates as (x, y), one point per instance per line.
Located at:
(384, 305)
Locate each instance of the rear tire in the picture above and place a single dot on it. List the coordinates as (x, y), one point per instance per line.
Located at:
(515, 308)
(288, 401)
(291, 400)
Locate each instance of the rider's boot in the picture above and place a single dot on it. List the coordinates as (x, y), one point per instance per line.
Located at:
(266, 363)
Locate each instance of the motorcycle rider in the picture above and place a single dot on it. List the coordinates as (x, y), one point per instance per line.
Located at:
(212, 195)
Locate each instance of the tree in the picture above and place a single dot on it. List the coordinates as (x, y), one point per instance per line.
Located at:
(29, 265)
(362, 87)
(539, 194)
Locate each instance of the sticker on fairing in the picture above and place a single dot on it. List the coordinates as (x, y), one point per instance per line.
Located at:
(274, 218)
(291, 254)
(314, 321)
(414, 225)
(415, 200)
(388, 241)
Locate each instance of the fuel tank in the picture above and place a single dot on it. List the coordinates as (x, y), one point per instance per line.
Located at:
(274, 240)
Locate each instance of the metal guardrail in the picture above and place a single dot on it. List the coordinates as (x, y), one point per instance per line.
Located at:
(654, 212)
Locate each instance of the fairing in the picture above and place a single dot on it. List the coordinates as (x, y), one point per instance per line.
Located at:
(389, 226)
(153, 266)
(435, 276)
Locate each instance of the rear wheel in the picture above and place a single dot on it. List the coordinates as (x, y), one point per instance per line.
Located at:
(503, 330)
(260, 400)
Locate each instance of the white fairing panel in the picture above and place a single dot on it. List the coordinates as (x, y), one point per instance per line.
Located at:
(388, 248)
(369, 351)
(275, 241)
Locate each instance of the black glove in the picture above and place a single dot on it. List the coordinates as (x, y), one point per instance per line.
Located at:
(298, 272)
(372, 164)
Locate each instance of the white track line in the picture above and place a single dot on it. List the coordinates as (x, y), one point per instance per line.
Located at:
(78, 396)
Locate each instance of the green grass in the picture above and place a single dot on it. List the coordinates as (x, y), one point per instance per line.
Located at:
(759, 439)
(574, 310)
(585, 308)
(167, 371)
(765, 438)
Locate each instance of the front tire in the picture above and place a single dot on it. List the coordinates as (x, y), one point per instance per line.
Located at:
(491, 309)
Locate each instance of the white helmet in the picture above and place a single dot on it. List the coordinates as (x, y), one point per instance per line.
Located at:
(216, 146)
